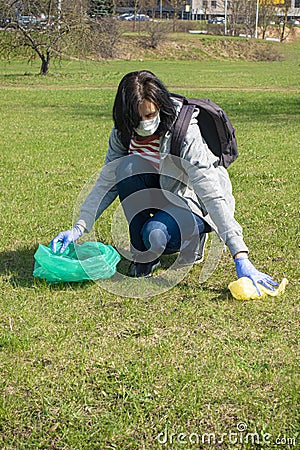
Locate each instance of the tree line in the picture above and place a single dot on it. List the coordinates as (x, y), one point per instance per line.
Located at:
(47, 28)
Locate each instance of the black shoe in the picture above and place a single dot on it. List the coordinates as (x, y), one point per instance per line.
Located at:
(202, 242)
(198, 258)
(139, 270)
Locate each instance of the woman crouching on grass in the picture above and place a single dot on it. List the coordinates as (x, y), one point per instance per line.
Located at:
(168, 210)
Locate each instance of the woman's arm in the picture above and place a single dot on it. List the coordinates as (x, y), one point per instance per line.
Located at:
(213, 187)
(104, 191)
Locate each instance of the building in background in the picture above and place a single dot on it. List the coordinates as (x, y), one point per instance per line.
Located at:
(209, 9)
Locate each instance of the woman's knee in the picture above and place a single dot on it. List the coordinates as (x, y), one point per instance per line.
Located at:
(155, 235)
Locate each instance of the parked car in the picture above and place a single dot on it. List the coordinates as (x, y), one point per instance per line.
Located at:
(124, 16)
(138, 18)
(27, 21)
(219, 20)
(37, 22)
(293, 22)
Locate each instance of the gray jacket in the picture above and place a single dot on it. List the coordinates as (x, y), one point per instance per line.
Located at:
(203, 185)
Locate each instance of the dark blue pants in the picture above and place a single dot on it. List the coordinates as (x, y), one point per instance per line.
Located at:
(155, 224)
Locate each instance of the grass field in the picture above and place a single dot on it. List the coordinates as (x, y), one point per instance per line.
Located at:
(82, 368)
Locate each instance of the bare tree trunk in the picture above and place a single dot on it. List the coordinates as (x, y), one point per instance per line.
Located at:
(45, 64)
(285, 8)
(175, 22)
(176, 6)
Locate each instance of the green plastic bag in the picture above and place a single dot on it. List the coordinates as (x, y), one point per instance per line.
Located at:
(88, 261)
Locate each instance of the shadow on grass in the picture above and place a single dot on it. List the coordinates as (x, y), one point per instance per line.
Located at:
(219, 295)
(13, 76)
(17, 266)
(167, 277)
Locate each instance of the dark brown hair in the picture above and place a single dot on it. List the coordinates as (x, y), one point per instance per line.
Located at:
(133, 89)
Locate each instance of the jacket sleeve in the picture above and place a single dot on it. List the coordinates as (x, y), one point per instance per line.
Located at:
(104, 192)
(212, 185)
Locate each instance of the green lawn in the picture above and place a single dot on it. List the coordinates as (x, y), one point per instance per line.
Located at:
(83, 368)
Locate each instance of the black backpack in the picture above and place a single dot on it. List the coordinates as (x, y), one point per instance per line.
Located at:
(215, 127)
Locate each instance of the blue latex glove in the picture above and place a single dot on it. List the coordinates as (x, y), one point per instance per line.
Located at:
(66, 237)
(244, 268)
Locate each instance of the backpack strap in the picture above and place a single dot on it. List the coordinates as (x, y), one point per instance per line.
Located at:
(180, 128)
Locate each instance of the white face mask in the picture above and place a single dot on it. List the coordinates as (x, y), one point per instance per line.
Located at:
(148, 127)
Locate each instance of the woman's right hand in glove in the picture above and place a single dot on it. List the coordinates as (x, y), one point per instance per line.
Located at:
(66, 237)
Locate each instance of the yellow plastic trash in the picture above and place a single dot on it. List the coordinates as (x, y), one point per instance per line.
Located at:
(244, 289)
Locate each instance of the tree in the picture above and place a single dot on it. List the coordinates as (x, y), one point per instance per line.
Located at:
(105, 36)
(282, 9)
(101, 7)
(156, 33)
(235, 14)
(177, 6)
(42, 26)
(136, 5)
(242, 12)
(266, 15)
